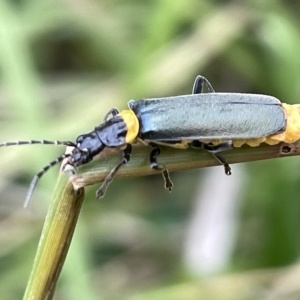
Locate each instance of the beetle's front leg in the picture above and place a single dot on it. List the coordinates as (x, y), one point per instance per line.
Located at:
(109, 178)
(112, 113)
(154, 165)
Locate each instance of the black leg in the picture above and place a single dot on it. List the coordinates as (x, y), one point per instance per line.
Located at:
(219, 147)
(216, 149)
(198, 85)
(222, 160)
(154, 165)
(113, 112)
(109, 178)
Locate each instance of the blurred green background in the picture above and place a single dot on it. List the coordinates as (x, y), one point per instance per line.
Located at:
(64, 64)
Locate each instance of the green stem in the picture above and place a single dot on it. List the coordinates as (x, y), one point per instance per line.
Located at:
(55, 240)
(64, 210)
(175, 160)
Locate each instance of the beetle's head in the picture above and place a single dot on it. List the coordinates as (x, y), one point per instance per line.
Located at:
(111, 133)
(88, 145)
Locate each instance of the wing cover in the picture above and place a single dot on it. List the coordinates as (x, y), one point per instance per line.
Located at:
(209, 116)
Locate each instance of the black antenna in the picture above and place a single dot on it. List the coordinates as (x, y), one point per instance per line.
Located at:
(31, 142)
(46, 168)
(40, 174)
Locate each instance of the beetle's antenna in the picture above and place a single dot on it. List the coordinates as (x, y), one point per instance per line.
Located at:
(40, 174)
(46, 168)
(31, 142)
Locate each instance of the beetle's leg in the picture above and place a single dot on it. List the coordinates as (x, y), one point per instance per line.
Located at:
(154, 165)
(216, 149)
(113, 112)
(109, 178)
(222, 160)
(198, 85)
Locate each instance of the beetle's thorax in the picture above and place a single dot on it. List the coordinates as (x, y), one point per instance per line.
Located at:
(115, 132)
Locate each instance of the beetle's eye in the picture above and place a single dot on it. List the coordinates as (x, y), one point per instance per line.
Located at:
(79, 140)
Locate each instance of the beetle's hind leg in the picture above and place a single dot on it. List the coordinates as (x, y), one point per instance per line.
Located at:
(109, 178)
(198, 85)
(215, 150)
(154, 165)
(222, 160)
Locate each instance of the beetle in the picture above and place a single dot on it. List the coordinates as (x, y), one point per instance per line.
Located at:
(213, 121)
